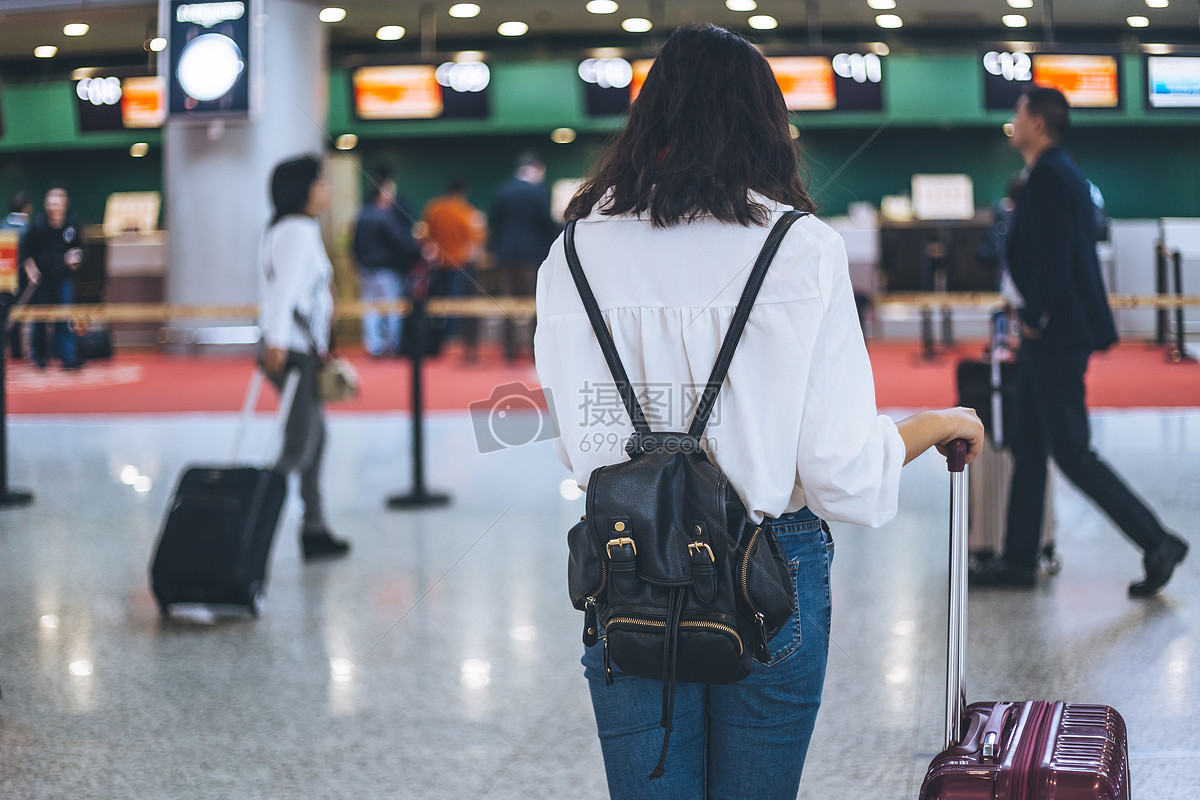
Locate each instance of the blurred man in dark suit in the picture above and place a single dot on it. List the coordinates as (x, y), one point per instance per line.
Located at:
(521, 230)
(1065, 318)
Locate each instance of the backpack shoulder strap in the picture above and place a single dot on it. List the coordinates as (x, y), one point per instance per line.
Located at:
(740, 315)
(607, 345)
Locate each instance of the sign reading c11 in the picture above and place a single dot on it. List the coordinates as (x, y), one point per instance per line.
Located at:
(209, 57)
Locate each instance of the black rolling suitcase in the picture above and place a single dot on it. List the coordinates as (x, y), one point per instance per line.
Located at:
(217, 535)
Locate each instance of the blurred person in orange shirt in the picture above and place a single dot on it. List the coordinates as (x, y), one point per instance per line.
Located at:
(456, 231)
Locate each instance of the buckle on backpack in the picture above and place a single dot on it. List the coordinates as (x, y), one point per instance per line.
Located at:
(695, 547)
(621, 542)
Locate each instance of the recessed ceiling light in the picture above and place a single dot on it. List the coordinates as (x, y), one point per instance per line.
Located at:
(1021, 3)
(464, 10)
(332, 14)
(75, 29)
(158, 44)
(45, 51)
(888, 21)
(1014, 21)
(347, 141)
(562, 135)
(741, 5)
(1137, 22)
(1158, 3)
(880, 49)
(763, 22)
(882, 5)
(390, 33)
(513, 28)
(139, 149)
(637, 25)
(602, 7)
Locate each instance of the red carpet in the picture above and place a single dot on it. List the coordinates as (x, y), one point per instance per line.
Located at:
(1129, 376)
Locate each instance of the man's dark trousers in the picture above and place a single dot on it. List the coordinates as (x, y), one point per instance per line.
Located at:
(1051, 421)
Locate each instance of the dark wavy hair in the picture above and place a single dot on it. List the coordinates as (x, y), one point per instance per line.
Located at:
(709, 126)
(291, 182)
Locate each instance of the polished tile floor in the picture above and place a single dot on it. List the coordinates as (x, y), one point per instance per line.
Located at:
(441, 659)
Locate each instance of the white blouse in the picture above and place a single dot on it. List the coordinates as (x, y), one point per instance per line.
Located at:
(795, 423)
(294, 274)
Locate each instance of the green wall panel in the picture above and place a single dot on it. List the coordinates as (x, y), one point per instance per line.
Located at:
(1146, 163)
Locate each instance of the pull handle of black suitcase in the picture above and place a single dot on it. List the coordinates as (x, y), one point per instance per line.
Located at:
(956, 625)
(286, 398)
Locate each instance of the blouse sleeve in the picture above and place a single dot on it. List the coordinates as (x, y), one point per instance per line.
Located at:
(849, 457)
(287, 271)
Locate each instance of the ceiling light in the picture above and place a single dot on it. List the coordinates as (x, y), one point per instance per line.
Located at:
(468, 56)
(1014, 21)
(464, 10)
(158, 44)
(882, 5)
(888, 21)
(45, 51)
(562, 135)
(1021, 3)
(512, 29)
(75, 29)
(763, 22)
(1137, 22)
(139, 150)
(637, 25)
(332, 14)
(347, 141)
(390, 33)
(1158, 3)
(602, 7)
(880, 49)
(741, 5)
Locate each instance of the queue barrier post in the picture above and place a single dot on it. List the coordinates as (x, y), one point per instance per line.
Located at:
(417, 325)
(9, 498)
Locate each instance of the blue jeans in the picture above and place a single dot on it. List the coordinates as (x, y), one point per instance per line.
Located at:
(60, 292)
(381, 335)
(739, 740)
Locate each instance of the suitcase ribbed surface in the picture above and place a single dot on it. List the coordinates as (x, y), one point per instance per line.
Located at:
(1090, 758)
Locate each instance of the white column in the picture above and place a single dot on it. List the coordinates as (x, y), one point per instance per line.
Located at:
(216, 175)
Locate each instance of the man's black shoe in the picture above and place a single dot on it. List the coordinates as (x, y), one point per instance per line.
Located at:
(998, 572)
(72, 365)
(319, 543)
(1160, 563)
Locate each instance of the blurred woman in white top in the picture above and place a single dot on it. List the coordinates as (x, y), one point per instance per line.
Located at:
(669, 224)
(295, 309)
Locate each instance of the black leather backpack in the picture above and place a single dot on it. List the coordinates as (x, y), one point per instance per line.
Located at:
(666, 561)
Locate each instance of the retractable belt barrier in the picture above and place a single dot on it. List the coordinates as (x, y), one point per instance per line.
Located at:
(503, 306)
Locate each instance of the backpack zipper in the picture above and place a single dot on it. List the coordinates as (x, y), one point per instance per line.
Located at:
(746, 571)
(687, 623)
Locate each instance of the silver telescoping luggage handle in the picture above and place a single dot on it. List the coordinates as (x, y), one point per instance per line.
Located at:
(956, 644)
(286, 398)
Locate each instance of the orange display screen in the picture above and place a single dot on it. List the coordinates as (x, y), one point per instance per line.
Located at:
(806, 81)
(1086, 81)
(142, 102)
(406, 92)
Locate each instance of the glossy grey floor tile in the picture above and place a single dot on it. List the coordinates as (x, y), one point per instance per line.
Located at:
(441, 658)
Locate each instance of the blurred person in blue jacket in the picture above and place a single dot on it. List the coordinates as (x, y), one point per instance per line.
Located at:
(385, 250)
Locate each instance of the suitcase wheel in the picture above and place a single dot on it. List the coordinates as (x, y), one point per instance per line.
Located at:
(1051, 562)
(256, 605)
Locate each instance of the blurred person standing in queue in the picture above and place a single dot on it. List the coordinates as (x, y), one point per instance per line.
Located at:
(1065, 318)
(20, 208)
(50, 253)
(295, 310)
(385, 250)
(521, 231)
(456, 230)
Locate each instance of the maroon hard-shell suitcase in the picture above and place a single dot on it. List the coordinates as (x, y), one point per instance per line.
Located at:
(1030, 750)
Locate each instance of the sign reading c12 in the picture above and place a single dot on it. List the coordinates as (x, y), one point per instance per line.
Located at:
(209, 58)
